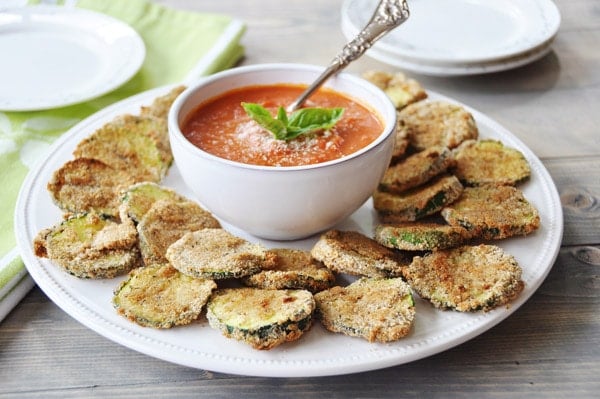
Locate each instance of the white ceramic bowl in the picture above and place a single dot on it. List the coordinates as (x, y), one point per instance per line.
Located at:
(281, 203)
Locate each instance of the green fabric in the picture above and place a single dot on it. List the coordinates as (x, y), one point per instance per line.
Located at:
(176, 43)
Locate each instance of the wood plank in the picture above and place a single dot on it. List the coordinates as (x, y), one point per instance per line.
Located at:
(578, 183)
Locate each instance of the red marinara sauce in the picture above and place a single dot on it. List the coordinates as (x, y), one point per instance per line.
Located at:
(221, 127)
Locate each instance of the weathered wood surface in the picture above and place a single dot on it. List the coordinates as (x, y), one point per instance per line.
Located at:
(549, 348)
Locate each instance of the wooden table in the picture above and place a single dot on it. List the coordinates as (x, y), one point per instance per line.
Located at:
(549, 348)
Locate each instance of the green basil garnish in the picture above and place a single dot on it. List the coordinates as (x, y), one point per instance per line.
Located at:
(302, 121)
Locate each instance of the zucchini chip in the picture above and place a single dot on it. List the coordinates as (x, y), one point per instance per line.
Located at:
(294, 269)
(90, 246)
(489, 162)
(375, 309)
(124, 149)
(159, 296)
(166, 222)
(261, 318)
(354, 253)
(467, 278)
(161, 105)
(155, 128)
(421, 236)
(401, 90)
(493, 212)
(418, 202)
(437, 123)
(88, 185)
(217, 254)
(138, 198)
(416, 169)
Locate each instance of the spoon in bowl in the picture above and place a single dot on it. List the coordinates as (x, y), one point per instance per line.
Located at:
(388, 15)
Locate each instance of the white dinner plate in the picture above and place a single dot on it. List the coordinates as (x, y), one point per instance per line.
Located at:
(461, 31)
(53, 56)
(317, 352)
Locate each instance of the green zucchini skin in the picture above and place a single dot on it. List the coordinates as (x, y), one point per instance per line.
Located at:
(261, 318)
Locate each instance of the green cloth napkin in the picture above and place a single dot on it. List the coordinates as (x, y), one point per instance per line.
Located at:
(180, 47)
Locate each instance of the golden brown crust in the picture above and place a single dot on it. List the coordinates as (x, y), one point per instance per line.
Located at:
(489, 162)
(418, 202)
(401, 142)
(467, 278)
(123, 149)
(431, 123)
(161, 105)
(138, 198)
(155, 128)
(166, 222)
(91, 246)
(84, 185)
(294, 269)
(161, 297)
(217, 254)
(374, 309)
(354, 253)
(401, 90)
(261, 318)
(493, 212)
(416, 169)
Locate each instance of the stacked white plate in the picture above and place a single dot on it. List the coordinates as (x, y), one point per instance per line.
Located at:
(461, 37)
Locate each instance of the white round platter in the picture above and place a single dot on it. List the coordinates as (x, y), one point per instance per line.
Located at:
(318, 352)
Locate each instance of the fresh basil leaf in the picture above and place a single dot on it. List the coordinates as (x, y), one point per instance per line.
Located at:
(302, 121)
(263, 117)
(315, 118)
(282, 116)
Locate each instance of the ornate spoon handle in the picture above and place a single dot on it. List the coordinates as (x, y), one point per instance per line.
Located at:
(388, 15)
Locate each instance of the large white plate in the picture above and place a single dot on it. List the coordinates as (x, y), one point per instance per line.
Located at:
(318, 352)
(54, 56)
(461, 31)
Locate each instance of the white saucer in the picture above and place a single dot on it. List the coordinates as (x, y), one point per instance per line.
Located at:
(461, 36)
(460, 69)
(54, 56)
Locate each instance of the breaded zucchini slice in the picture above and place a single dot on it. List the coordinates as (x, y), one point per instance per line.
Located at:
(375, 309)
(354, 253)
(88, 185)
(401, 143)
(493, 212)
(417, 236)
(161, 105)
(480, 162)
(400, 89)
(418, 202)
(166, 222)
(126, 150)
(466, 278)
(138, 198)
(294, 269)
(416, 169)
(155, 128)
(431, 123)
(261, 318)
(159, 296)
(90, 245)
(217, 254)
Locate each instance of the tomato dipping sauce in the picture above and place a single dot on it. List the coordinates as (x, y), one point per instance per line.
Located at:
(220, 126)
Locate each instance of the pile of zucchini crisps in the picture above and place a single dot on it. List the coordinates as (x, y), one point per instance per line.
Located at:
(443, 196)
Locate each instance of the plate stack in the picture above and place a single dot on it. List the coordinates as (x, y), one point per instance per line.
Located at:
(461, 37)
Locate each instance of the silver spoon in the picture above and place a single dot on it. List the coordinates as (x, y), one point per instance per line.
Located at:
(388, 15)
